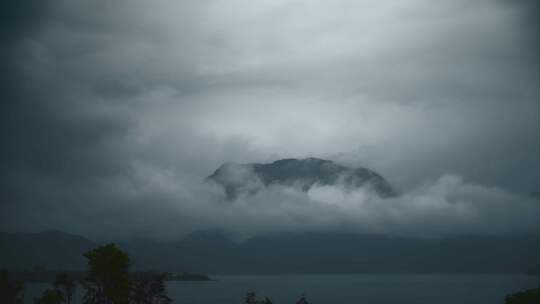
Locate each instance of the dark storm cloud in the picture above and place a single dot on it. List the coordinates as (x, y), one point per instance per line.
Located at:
(20, 18)
(113, 112)
(55, 140)
(528, 12)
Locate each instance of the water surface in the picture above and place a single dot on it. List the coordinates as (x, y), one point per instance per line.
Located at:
(332, 289)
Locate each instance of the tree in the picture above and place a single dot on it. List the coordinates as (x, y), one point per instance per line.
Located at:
(302, 300)
(150, 290)
(11, 291)
(530, 296)
(67, 285)
(107, 281)
(251, 298)
(50, 296)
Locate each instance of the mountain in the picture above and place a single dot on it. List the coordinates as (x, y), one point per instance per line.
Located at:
(50, 250)
(212, 252)
(304, 173)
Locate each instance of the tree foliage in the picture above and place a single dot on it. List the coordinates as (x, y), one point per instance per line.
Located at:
(530, 296)
(251, 298)
(11, 291)
(51, 296)
(66, 284)
(150, 290)
(107, 281)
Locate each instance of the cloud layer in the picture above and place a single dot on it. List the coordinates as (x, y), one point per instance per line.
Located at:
(114, 112)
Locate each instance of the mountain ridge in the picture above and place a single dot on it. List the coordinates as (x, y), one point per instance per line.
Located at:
(314, 252)
(247, 178)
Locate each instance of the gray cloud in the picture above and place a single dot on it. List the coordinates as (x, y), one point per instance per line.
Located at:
(113, 112)
(447, 206)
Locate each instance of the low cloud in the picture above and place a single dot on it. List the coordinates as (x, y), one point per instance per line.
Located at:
(157, 204)
(447, 206)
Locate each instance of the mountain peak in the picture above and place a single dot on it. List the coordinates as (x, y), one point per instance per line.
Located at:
(307, 172)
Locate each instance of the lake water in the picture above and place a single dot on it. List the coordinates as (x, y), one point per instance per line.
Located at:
(332, 289)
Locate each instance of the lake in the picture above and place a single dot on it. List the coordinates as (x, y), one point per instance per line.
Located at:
(358, 288)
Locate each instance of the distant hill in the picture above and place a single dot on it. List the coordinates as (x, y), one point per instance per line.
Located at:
(304, 173)
(212, 252)
(49, 250)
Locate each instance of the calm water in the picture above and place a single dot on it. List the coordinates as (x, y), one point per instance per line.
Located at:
(332, 289)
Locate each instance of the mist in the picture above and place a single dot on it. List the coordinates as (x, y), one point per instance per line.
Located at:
(114, 113)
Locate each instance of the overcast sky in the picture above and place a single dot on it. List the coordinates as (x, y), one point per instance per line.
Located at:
(113, 112)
